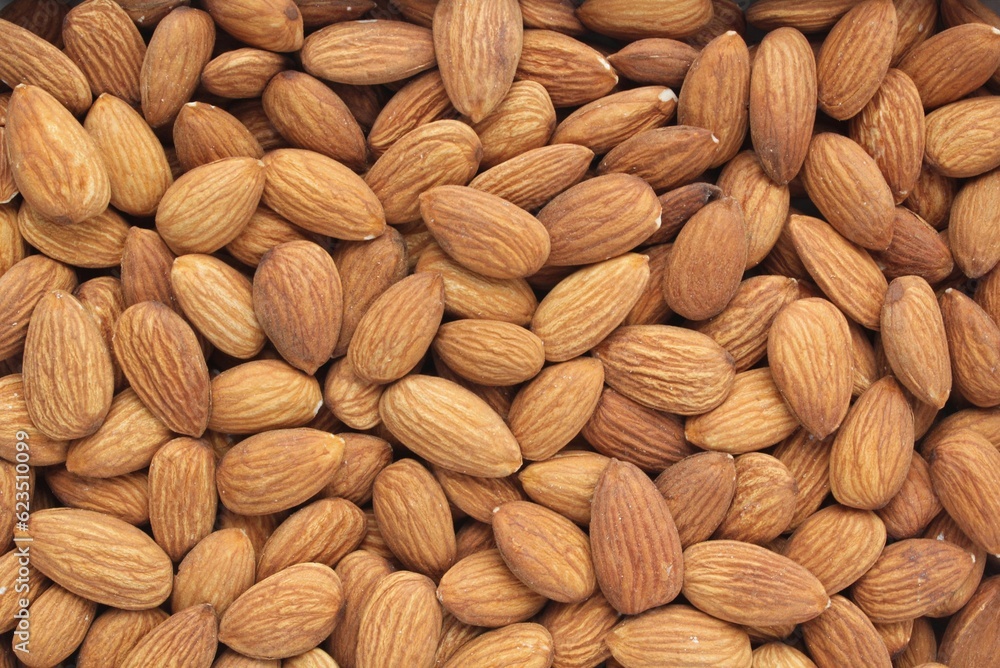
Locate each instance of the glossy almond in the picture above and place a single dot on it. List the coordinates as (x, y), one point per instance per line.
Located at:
(204, 133)
(664, 157)
(970, 227)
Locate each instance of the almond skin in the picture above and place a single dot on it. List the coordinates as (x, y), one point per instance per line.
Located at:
(77, 547)
(446, 424)
(565, 483)
(260, 624)
(480, 590)
(179, 49)
(41, 132)
(522, 121)
(699, 490)
(545, 550)
(962, 644)
(536, 176)
(101, 38)
(717, 580)
(216, 571)
(655, 60)
(239, 474)
(965, 469)
(684, 372)
(578, 630)
(664, 157)
(352, 399)
(605, 123)
(413, 515)
(782, 102)
(164, 364)
(490, 352)
(263, 394)
(631, 521)
(359, 573)
(61, 620)
(970, 227)
(398, 328)
(764, 203)
(114, 633)
(974, 48)
(368, 52)
(843, 619)
(30, 59)
(516, 244)
(401, 605)
(275, 25)
(64, 347)
(289, 277)
(242, 73)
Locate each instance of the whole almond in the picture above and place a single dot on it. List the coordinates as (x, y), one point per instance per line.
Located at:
(74, 548)
(623, 538)
(242, 73)
(699, 490)
(260, 624)
(239, 475)
(855, 57)
(536, 176)
(964, 470)
(96, 242)
(572, 72)
(368, 52)
(528, 645)
(359, 572)
(970, 639)
(764, 502)
(275, 25)
(913, 337)
(125, 497)
(364, 457)
(846, 185)
(631, 20)
(490, 352)
(523, 120)
(40, 129)
(190, 637)
(817, 389)
(764, 204)
(449, 426)
(215, 571)
(351, 398)
(45, 451)
(578, 630)
(970, 229)
(136, 163)
(299, 186)
(179, 49)
(973, 48)
(844, 619)
(583, 309)
(888, 593)
(664, 157)
(916, 504)
(146, 264)
(382, 350)
(655, 60)
(61, 620)
(605, 123)
(782, 102)
(263, 394)
(780, 655)
(916, 249)
(837, 544)
(971, 335)
(401, 605)
(182, 493)
(421, 101)
(322, 532)
(960, 140)
(29, 59)
(679, 634)
(565, 483)
(717, 580)
(518, 243)
(478, 497)
(164, 364)
(204, 133)
(102, 40)
(298, 301)
(480, 590)
(114, 633)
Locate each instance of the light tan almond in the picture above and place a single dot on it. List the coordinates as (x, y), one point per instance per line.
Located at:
(179, 49)
(30, 59)
(242, 73)
(572, 72)
(263, 394)
(368, 52)
(607, 122)
(490, 352)
(204, 133)
(664, 157)
(216, 571)
(402, 605)
(480, 590)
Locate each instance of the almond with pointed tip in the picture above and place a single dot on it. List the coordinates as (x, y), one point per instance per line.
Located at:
(283, 615)
(114, 633)
(449, 426)
(480, 590)
(179, 49)
(102, 40)
(607, 122)
(490, 352)
(716, 92)
(421, 101)
(485, 233)
(402, 605)
(953, 63)
(300, 186)
(40, 132)
(972, 225)
(665, 158)
(522, 121)
(655, 60)
(182, 495)
(97, 242)
(843, 619)
(302, 461)
(216, 571)
(204, 133)
(633, 20)
(763, 202)
(962, 139)
(572, 72)
(974, 347)
(917, 249)
(582, 309)
(914, 340)
(242, 73)
(359, 573)
(376, 51)
(263, 394)
(21, 288)
(275, 25)
(965, 469)
(29, 59)
(855, 57)
(189, 637)
(322, 532)
(565, 482)
(631, 528)
(782, 102)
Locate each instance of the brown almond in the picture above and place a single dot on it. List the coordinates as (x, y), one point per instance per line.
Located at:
(764, 203)
(402, 605)
(916, 250)
(535, 177)
(961, 141)
(572, 72)
(490, 352)
(607, 122)
(114, 633)
(655, 60)
(523, 120)
(275, 25)
(970, 226)
(189, 637)
(480, 590)
(179, 49)
(565, 482)
(322, 532)
(216, 571)
(972, 51)
(102, 40)
(30, 59)
(964, 469)
(972, 343)
(631, 20)
(242, 73)
(204, 133)
(263, 394)
(665, 158)
(843, 619)
(182, 495)
(368, 52)
(764, 502)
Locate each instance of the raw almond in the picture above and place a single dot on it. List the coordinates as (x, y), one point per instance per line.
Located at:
(146, 264)
(632, 20)
(302, 463)
(114, 633)
(364, 457)
(275, 25)
(125, 497)
(578, 630)
(961, 140)
(764, 203)
(973, 53)
(421, 101)
(216, 571)
(965, 469)
(263, 394)
(605, 123)
(402, 605)
(630, 527)
(59, 621)
(283, 615)
(764, 502)
(97, 242)
(368, 52)
(242, 73)
(971, 343)
(182, 495)
(359, 573)
(490, 352)
(655, 60)
(971, 225)
(480, 590)
(164, 364)
(970, 638)
(565, 483)
(102, 40)
(916, 250)
(536, 176)
(843, 619)
(528, 645)
(916, 504)
(664, 157)
(322, 532)
(204, 133)
(179, 49)
(572, 73)
(699, 490)
(29, 59)
(189, 637)
(478, 497)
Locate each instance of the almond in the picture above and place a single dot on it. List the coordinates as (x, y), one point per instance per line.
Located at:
(102, 40)
(242, 73)
(490, 352)
(888, 591)
(125, 497)
(480, 590)
(402, 605)
(45, 451)
(364, 457)
(368, 52)
(584, 308)
(114, 633)
(916, 249)
(764, 204)
(578, 630)
(970, 637)
(971, 343)
(655, 60)
(182, 495)
(215, 571)
(631, 521)
(300, 186)
(68, 379)
(189, 637)
(350, 398)
(263, 394)
(809, 461)
(716, 92)
(916, 504)
(97, 242)
(679, 634)
(359, 573)
(39, 131)
(275, 25)
(29, 59)
(780, 655)
(536, 176)
(136, 163)
(817, 390)
(782, 102)
(843, 619)
(699, 490)
(565, 483)
(970, 227)
(59, 621)
(572, 73)
(961, 141)
(837, 544)
(973, 49)
(509, 242)
(632, 20)
(322, 532)
(665, 157)
(743, 583)
(291, 479)
(965, 469)
(100, 558)
(607, 122)
(260, 624)
(684, 372)
(164, 364)
(204, 133)
(831, 259)
(528, 645)
(179, 49)
(855, 57)
(421, 101)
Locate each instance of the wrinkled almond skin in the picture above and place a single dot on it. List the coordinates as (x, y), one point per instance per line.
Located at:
(480, 590)
(630, 528)
(402, 605)
(971, 335)
(368, 52)
(275, 25)
(216, 571)
(179, 49)
(263, 394)
(843, 619)
(182, 495)
(107, 46)
(964, 471)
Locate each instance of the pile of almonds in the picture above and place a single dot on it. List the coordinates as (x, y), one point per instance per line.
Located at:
(485, 333)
